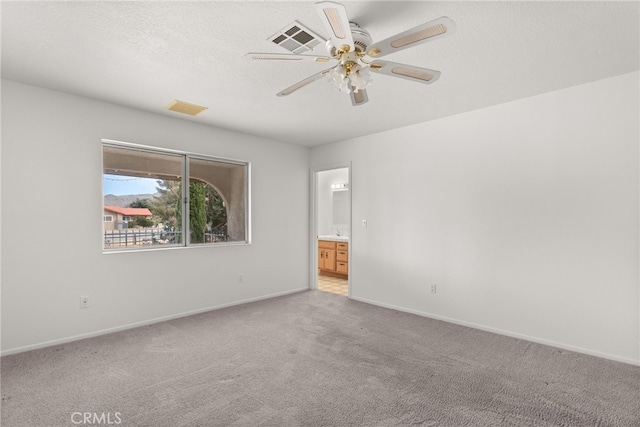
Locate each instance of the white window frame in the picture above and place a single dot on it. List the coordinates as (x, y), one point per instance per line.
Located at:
(107, 218)
(186, 243)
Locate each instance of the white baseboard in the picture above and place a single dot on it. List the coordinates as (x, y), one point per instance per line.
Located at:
(142, 323)
(503, 332)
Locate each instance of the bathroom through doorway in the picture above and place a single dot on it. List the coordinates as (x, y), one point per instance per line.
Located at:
(332, 229)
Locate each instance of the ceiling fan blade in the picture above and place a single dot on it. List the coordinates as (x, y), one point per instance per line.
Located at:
(429, 31)
(286, 57)
(358, 98)
(409, 72)
(303, 83)
(336, 22)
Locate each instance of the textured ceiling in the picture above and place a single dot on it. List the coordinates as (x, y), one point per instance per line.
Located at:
(145, 54)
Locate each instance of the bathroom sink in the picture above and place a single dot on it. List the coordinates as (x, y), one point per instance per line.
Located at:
(334, 238)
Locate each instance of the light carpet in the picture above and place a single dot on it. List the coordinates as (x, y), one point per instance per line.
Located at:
(314, 359)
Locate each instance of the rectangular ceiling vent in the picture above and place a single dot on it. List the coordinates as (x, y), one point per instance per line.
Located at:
(296, 38)
(185, 108)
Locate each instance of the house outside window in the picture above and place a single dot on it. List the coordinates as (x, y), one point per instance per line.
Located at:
(123, 216)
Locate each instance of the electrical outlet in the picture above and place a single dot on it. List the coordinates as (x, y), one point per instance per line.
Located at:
(240, 278)
(364, 223)
(84, 302)
(433, 288)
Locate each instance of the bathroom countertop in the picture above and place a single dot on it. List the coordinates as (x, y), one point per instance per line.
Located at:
(334, 238)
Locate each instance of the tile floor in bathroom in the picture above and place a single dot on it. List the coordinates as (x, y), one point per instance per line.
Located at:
(335, 285)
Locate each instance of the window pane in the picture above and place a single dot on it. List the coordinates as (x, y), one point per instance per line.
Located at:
(145, 196)
(217, 201)
(140, 190)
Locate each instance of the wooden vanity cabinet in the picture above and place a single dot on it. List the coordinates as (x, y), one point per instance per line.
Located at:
(342, 258)
(333, 257)
(326, 255)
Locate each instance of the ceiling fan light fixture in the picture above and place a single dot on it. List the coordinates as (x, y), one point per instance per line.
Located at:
(338, 76)
(424, 34)
(414, 74)
(360, 77)
(350, 77)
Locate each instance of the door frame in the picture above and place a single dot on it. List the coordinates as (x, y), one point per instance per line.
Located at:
(313, 229)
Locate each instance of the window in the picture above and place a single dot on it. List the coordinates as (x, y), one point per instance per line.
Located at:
(146, 188)
(107, 218)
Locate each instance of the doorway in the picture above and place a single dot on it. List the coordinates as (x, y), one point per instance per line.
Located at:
(331, 229)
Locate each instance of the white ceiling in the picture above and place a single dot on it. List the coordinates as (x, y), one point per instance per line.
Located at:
(145, 54)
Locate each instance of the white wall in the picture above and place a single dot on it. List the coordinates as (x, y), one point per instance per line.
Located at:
(325, 200)
(52, 219)
(524, 214)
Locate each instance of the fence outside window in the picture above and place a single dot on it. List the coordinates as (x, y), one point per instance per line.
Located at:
(128, 238)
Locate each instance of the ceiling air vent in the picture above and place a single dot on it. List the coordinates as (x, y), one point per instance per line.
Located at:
(296, 38)
(185, 108)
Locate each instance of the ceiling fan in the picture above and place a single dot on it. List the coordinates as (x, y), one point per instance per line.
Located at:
(352, 47)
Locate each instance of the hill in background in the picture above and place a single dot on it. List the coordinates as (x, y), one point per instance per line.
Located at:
(125, 201)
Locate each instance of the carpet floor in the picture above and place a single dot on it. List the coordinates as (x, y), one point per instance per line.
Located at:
(313, 359)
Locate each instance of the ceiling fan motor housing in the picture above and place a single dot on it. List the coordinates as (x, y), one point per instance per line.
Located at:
(361, 40)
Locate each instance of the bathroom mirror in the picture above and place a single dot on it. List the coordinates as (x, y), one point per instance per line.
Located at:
(340, 207)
